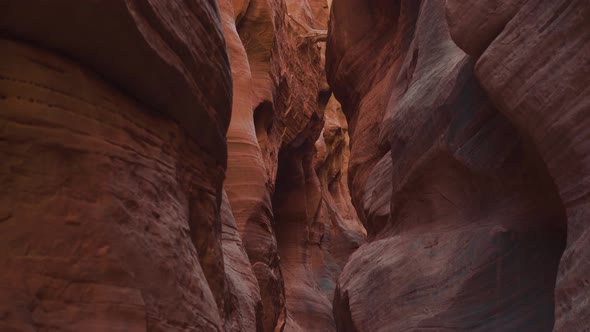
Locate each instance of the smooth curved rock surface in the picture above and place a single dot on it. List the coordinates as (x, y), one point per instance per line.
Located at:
(110, 212)
(117, 209)
(466, 227)
(113, 137)
(249, 175)
(250, 165)
(158, 51)
(536, 68)
(243, 306)
(280, 94)
(317, 227)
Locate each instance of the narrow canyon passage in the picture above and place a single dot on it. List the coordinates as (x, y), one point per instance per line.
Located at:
(294, 165)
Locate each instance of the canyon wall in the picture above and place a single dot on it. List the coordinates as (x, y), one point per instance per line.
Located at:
(291, 204)
(170, 165)
(467, 163)
(113, 148)
(294, 165)
(533, 60)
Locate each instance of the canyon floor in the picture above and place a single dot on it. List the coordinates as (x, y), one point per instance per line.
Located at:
(294, 165)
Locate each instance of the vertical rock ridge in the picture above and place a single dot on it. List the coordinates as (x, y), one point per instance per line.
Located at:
(465, 223)
(287, 216)
(294, 165)
(101, 193)
(533, 63)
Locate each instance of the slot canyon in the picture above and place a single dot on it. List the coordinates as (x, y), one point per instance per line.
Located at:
(294, 165)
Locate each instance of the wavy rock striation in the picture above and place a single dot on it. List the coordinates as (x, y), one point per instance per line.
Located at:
(294, 232)
(175, 165)
(110, 211)
(131, 200)
(111, 185)
(533, 61)
(466, 225)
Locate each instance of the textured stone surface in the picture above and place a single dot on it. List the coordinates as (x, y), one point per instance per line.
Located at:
(113, 162)
(112, 211)
(465, 225)
(317, 228)
(181, 43)
(280, 205)
(117, 210)
(307, 235)
(243, 306)
(185, 165)
(246, 173)
(536, 69)
(331, 165)
(249, 174)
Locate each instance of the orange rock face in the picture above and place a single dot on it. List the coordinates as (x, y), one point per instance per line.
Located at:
(286, 202)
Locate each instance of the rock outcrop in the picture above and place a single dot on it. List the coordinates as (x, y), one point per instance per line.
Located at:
(130, 200)
(466, 224)
(294, 165)
(533, 61)
(111, 184)
(295, 235)
(105, 206)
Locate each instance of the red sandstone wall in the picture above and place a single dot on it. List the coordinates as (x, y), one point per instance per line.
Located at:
(466, 218)
(131, 201)
(111, 177)
(185, 165)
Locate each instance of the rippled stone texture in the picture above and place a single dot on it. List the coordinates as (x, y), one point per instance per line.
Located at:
(534, 64)
(249, 173)
(111, 186)
(466, 227)
(169, 55)
(108, 207)
(317, 229)
(131, 200)
(117, 211)
(280, 93)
